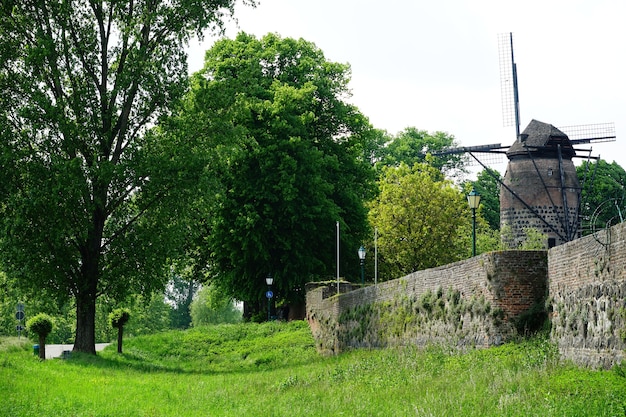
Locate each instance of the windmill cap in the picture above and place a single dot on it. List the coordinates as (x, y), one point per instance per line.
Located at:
(541, 139)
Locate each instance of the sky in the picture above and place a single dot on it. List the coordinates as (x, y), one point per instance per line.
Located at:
(434, 65)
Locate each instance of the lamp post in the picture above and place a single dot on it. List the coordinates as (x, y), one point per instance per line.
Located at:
(362, 259)
(473, 199)
(269, 280)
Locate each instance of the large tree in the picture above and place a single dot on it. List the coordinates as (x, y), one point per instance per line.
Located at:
(90, 205)
(421, 220)
(293, 160)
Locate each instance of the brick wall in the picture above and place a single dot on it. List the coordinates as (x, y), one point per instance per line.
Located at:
(476, 302)
(472, 302)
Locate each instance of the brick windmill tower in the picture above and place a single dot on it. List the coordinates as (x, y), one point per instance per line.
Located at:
(540, 189)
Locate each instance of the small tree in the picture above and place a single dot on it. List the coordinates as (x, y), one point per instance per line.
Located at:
(118, 318)
(41, 325)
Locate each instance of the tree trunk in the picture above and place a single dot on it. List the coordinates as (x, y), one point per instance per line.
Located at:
(120, 332)
(85, 324)
(87, 288)
(42, 347)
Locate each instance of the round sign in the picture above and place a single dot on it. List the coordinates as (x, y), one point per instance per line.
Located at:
(269, 294)
(19, 315)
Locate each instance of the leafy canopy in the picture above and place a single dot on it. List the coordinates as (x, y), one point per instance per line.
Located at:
(418, 217)
(90, 203)
(603, 194)
(292, 162)
(40, 324)
(413, 145)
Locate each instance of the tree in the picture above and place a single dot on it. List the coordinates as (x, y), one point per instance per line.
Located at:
(118, 319)
(41, 324)
(293, 160)
(211, 306)
(412, 146)
(151, 314)
(179, 293)
(418, 217)
(487, 184)
(91, 204)
(603, 195)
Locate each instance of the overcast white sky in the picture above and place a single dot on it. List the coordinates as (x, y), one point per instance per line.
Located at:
(434, 65)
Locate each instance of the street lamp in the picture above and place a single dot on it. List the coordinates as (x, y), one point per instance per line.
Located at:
(362, 259)
(269, 280)
(473, 199)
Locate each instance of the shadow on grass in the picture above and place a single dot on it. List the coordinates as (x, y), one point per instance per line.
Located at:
(137, 362)
(246, 348)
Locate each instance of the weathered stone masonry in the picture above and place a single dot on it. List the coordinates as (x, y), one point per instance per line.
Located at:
(587, 293)
(478, 302)
(468, 303)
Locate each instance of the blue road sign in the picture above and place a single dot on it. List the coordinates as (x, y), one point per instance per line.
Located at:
(269, 294)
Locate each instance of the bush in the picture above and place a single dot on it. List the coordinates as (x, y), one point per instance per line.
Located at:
(41, 325)
(119, 317)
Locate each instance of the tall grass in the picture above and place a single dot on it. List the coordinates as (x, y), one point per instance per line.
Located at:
(272, 369)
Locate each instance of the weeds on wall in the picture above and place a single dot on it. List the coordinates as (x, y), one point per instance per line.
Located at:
(439, 314)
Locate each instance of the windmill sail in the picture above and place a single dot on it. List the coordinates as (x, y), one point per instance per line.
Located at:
(508, 82)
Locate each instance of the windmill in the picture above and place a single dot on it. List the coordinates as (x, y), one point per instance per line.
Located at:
(540, 188)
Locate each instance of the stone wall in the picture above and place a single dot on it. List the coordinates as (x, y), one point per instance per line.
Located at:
(487, 300)
(587, 297)
(475, 302)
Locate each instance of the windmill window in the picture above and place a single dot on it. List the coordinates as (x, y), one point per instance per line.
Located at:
(549, 172)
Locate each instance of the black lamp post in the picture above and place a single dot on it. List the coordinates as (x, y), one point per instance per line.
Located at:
(473, 199)
(269, 280)
(362, 259)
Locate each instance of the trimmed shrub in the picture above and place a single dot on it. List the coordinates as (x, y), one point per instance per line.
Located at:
(41, 325)
(118, 318)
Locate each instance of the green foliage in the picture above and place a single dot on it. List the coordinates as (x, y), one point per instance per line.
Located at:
(418, 217)
(413, 146)
(85, 189)
(229, 371)
(41, 324)
(292, 160)
(602, 196)
(150, 315)
(119, 317)
(533, 239)
(488, 186)
(212, 306)
(533, 320)
(180, 292)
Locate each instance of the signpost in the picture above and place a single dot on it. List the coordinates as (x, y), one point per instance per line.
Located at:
(19, 315)
(269, 294)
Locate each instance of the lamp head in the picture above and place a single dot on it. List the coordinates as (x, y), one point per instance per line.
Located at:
(473, 199)
(361, 253)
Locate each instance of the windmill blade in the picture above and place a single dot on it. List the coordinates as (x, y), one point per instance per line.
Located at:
(493, 154)
(496, 147)
(508, 82)
(598, 133)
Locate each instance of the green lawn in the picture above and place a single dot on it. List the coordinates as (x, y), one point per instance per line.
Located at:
(272, 369)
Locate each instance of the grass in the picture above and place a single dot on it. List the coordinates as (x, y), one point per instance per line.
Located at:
(272, 369)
